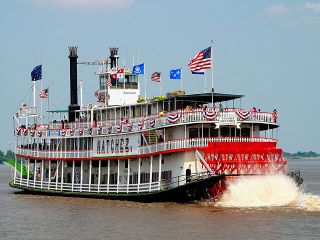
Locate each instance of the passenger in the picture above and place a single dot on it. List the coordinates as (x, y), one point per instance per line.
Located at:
(160, 139)
(254, 110)
(275, 115)
(220, 107)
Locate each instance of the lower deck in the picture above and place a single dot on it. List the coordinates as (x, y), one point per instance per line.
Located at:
(130, 176)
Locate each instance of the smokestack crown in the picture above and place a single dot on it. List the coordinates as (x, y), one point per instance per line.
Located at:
(73, 52)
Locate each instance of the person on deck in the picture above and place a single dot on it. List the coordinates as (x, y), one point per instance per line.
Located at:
(220, 107)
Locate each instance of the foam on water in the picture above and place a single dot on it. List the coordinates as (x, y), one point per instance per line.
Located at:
(267, 191)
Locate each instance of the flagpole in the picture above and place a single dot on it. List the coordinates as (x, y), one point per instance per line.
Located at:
(124, 85)
(160, 86)
(205, 81)
(212, 87)
(145, 83)
(48, 105)
(81, 99)
(105, 92)
(41, 102)
(181, 78)
(34, 93)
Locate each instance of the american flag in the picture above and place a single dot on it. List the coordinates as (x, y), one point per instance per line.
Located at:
(201, 61)
(44, 93)
(109, 84)
(156, 77)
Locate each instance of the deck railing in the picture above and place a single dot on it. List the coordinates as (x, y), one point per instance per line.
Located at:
(125, 125)
(154, 148)
(112, 188)
(195, 114)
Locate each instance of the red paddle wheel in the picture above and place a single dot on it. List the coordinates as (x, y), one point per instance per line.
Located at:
(243, 158)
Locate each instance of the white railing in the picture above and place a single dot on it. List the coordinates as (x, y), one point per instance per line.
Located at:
(93, 188)
(154, 148)
(81, 128)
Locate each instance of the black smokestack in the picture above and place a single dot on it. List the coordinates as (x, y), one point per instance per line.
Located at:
(114, 57)
(73, 84)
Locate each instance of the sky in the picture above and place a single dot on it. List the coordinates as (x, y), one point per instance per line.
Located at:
(268, 51)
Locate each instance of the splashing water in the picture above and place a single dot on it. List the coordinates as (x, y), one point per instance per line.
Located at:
(267, 191)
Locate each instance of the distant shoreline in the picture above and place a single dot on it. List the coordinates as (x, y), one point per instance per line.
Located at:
(303, 158)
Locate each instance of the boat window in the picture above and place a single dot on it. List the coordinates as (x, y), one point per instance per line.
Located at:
(245, 132)
(131, 82)
(126, 164)
(133, 110)
(193, 133)
(214, 132)
(205, 132)
(225, 132)
(149, 110)
(104, 163)
(102, 82)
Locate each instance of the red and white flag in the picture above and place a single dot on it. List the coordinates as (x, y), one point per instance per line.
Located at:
(44, 93)
(120, 73)
(109, 84)
(201, 61)
(113, 73)
(156, 77)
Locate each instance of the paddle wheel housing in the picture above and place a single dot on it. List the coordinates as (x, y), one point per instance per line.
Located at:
(243, 158)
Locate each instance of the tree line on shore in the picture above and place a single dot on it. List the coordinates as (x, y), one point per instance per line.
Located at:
(299, 154)
(4, 157)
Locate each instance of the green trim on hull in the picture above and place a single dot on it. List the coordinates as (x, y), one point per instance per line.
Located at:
(11, 163)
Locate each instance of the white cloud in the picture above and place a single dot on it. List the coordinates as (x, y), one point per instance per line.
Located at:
(313, 6)
(86, 4)
(276, 9)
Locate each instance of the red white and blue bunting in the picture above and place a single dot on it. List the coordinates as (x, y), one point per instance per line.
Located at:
(118, 127)
(152, 122)
(71, 132)
(32, 132)
(140, 125)
(173, 118)
(109, 129)
(243, 114)
(18, 131)
(209, 114)
(99, 130)
(80, 131)
(129, 125)
(25, 131)
(39, 133)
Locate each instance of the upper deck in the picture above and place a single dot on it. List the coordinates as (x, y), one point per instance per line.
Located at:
(169, 112)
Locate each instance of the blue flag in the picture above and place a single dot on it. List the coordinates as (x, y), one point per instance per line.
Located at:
(175, 74)
(138, 69)
(36, 73)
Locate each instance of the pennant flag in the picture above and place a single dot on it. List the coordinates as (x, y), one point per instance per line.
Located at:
(120, 73)
(156, 77)
(175, 73)
(109, 84)
(201, 61)
(44, 93)
(138, 69)
(113, 73)
(202, 73)
(36, 73)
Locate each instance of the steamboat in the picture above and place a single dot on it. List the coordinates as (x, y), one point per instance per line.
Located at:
(181, 147)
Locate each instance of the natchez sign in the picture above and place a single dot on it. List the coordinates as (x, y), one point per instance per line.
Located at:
(116, 146)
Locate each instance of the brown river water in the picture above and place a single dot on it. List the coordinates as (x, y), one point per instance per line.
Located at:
(290, 214)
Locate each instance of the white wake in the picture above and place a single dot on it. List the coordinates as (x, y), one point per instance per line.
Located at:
(267, 191)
